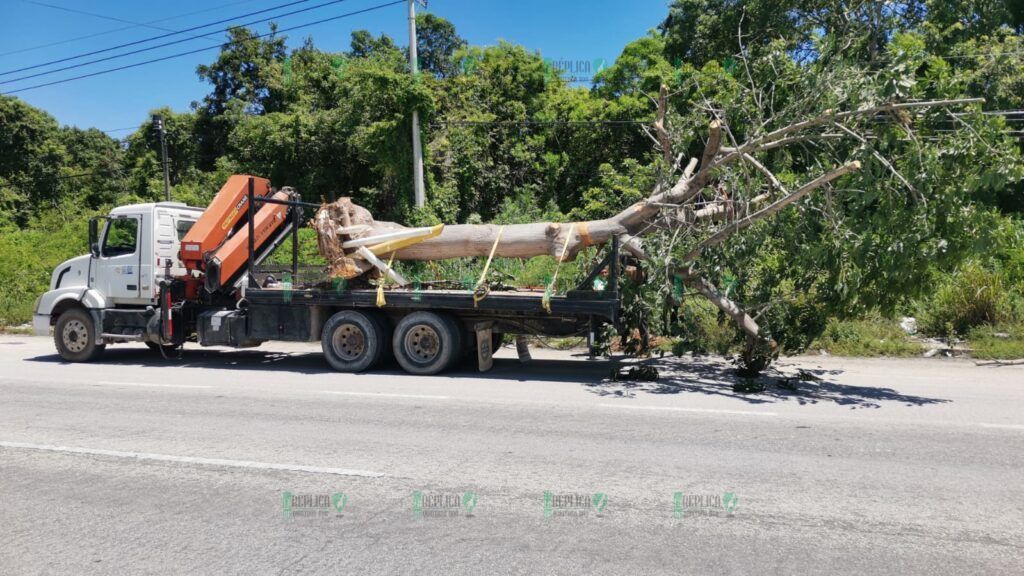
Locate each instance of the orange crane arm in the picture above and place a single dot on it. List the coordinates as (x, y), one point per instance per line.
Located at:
(232, 256)
(219, 219)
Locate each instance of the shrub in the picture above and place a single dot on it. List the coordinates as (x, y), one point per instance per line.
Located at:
(973, 296)
(871, 337)
(702, 329)
(1000, 342)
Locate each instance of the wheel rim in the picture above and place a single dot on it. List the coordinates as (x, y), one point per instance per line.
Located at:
(349, 342)
(422, 344)
(75, 335)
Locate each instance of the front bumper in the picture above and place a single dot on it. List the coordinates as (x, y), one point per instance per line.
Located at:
(41, 324)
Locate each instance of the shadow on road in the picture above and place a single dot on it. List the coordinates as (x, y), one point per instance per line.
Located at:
(717, 377)
(708, 376)
(508, 369)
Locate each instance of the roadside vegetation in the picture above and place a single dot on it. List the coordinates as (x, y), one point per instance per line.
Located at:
(936, 235)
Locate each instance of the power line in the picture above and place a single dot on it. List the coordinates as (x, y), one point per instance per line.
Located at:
(165, 44)
(93, 14)
(137, 64)
(144, 40)
(119, 129)
(122, 28)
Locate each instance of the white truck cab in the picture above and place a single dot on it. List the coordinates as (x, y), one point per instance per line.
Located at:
(130, 250)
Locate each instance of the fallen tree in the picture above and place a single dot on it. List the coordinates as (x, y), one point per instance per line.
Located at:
(690, 197)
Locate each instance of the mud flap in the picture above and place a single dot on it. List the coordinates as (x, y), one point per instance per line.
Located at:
(484, 350)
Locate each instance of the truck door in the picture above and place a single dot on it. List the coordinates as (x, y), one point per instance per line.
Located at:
(170, 229)
(116, 272)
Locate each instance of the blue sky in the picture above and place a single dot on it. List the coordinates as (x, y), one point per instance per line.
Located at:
(564, 30)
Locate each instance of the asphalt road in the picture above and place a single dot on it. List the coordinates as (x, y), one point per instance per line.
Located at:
(140, 465)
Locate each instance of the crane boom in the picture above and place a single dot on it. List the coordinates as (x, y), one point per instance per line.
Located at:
(219, 220)
(216, 249)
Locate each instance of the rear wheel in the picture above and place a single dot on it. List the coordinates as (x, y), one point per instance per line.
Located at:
(75, 336)
(353, 341)
(426, 343)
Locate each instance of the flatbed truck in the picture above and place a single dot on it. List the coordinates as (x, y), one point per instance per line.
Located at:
(167, 274)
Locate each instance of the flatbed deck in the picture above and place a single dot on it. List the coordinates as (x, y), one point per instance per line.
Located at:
(602, 305)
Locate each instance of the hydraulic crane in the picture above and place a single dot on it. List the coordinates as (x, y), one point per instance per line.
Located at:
(215, 249)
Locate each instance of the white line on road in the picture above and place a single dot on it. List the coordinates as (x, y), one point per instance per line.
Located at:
(148, 384)
(697, 410)
(386, 395)
(192, 460)
(1004, 426)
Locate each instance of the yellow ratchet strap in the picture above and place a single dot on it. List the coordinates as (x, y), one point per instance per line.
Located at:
(546, 300)
(380, 287)
(481, 290)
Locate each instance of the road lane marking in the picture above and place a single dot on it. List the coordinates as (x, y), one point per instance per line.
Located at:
(192, 460)
(1003, 426)
(386, 395)
(696, 410)
(147, 384)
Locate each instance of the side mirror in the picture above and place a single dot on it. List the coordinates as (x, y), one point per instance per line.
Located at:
(94, 238)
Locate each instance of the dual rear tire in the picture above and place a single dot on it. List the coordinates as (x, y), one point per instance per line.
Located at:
(355, 341)
(424, 343)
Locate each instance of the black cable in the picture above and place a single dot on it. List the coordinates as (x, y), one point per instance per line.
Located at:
(165, 44)
(153, 38)
(178, 55)
(93, 14)
(123, 28)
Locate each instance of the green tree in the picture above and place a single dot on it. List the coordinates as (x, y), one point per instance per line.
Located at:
(436, 43)
(242, 79)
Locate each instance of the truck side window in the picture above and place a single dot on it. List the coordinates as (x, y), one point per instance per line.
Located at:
(183, 226)
(121, 237)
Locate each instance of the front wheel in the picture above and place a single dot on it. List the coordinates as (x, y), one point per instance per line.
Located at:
(75, 336)
(353, 341)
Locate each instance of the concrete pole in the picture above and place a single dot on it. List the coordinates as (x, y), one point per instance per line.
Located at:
(158, 121)
(417, 148)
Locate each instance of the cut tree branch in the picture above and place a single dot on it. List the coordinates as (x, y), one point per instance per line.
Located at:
(738, 225)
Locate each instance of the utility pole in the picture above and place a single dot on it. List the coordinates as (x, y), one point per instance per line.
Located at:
(417, 148)
(158, 125)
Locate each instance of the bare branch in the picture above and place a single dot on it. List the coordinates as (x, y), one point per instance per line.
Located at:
(883, 161)
(665, 142)
(830, 116)
(780, 143)
(738, 225)
(767, 173)
(688, 173)
(733, 310)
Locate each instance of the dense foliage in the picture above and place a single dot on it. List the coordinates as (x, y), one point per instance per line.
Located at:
(507, 138)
